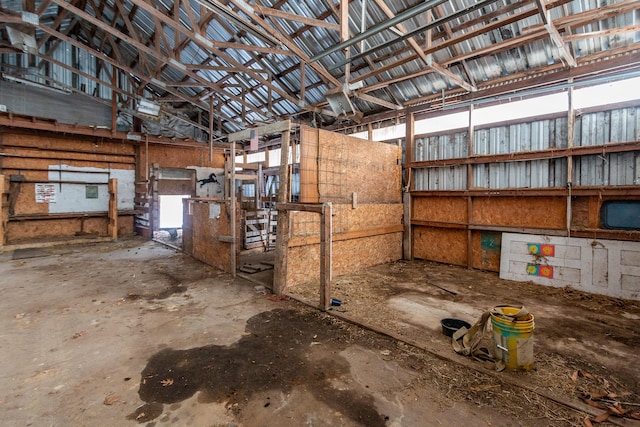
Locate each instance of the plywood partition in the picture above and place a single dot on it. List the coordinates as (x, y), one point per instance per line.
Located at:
(4, 208)
(309, 166)
(207, 231)
(59, 186)
(362, 180)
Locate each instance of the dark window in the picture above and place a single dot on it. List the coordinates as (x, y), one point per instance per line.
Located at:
(620, 214)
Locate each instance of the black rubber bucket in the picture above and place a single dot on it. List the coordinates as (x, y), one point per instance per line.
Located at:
(450, 326)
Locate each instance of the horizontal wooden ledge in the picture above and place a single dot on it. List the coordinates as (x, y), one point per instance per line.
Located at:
(614, 147)
(356, 234)
(623, 190)
(70, 215)
(594, 233)
(67, 159)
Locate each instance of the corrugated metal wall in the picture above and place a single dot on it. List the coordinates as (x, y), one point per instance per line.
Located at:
(620, 125)
(603, 127)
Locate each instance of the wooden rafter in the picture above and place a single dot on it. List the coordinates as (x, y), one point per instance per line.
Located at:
(554, 34)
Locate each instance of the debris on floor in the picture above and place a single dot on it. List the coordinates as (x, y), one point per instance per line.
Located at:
(251, 268)
(600, 393)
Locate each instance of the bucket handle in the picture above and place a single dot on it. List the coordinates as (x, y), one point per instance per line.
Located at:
(523, 312)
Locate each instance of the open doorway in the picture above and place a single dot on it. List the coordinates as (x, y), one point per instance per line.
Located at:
(170, 221)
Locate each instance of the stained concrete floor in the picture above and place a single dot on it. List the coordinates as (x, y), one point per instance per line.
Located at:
(135, 333)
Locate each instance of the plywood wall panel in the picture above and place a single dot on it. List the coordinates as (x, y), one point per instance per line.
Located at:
(180, 157)
(346, 219)
(19, 231)
(486, 250)
(440, 244)
(309, 165)
(527, 212)
(348, 165)
(447, 209)
(349, 256)
(204, 243)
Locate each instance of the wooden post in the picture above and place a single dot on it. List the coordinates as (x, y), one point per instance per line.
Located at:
(4, 208)
(233, 209)
(407, 248)
(154, 208)
(282, 230)
(469, 186)
(114, 99)
(325, 256)
(113, 208)
(571, 118)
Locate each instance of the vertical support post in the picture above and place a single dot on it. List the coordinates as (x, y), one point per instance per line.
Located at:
(407, 246)
(113, 209)
(259, 188)
(114, 99)
(470, 131)
(344, 36)
(303, 82)
(154, 217)
(233, 219)
(571, 118)
(210, 129)
(282, 230)
(325, 256)
(4, 208)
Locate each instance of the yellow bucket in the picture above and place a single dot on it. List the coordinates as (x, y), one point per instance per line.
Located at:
(513, 336)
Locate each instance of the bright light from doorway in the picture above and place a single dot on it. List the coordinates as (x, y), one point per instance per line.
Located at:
(171, 211)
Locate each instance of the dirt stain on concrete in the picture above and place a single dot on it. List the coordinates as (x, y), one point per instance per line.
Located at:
(274, 354)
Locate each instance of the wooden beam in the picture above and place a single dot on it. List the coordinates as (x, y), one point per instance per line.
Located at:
(276, 127)
(325, 256)
(375, 100)
(232, 220)
(601, 33)
(301, 207)
(282, 227)
(563, 50)
(4, 208)
(113, 209)
(267, 11)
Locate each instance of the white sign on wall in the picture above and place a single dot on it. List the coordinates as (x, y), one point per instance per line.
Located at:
(72, 195)
(45, 193)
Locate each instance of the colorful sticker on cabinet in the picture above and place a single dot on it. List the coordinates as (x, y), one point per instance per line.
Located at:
(540, 270)
(541, 249)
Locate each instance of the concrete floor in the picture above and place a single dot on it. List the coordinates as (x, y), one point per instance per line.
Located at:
(134, 332)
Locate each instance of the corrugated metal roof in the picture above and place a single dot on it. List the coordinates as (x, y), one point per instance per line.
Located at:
(514, 50)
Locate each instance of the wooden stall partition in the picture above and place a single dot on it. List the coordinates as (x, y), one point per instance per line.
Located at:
(543, 212)
(362, 180)
(208, 230)
(59, 185)
(447, 245)
(362, 237)
(4, 208)
(113, 208)
(348, 166)
(309, 165)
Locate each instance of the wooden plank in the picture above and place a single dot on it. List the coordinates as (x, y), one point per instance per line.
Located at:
(407, 252)
(4, 208)
(309, 165)
(356, 234)
(325, 256)
(234, 249)
(113, 208)
(245, 177)
(243, 135)
(249, 166)
(282, 236)
(300, 207)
